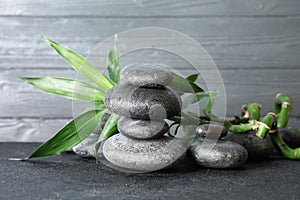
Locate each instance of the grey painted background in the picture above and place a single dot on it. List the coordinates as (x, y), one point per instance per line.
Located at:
(255, 43)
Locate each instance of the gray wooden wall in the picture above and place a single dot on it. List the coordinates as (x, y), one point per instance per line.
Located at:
(255, 43)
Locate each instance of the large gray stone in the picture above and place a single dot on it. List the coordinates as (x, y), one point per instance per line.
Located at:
(143, 103)
(142, 129)
(143, 155)
(212, 131)
(258, 149)
(146, 74)
(86, 148)
(222, 154)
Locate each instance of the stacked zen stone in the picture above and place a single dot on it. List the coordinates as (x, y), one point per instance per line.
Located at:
(143, 100)
(210, 150)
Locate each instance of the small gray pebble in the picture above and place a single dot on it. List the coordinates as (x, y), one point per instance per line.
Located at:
(142, 103)
(223, 154)
(86, 148)
(146, 74)
(290, 137)
(258, 149)
(143, 155)
(142, 129)
(211, 131)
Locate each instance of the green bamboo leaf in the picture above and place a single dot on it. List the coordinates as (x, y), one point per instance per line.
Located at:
(70, 135)
(182, 85)
(70, 88)
(114, 65)
(193, 98)
(80, 64)
(110, 127)
(209, 104)
(192, 77)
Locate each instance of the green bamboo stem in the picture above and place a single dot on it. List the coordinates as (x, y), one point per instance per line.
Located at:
(241, 128)
(268, 124)
(195, 119)
(282, 108)
(284, 148)
(251, 110)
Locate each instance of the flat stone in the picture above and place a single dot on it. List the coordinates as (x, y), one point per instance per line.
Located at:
(258, 149)
(211, 131)
(86, 148)
(290, 137)
(222, 154)
(142, 129)
(143, 103)
(146, 74)
(143, 155)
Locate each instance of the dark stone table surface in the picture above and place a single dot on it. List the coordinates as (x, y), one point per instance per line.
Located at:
(68, 176)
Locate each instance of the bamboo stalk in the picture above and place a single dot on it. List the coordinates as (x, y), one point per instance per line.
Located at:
(241, 128)
(251, 110)
(282, 108)
(284, 148)
(268, 124)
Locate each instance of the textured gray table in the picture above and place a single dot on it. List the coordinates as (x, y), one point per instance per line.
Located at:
(67, 176)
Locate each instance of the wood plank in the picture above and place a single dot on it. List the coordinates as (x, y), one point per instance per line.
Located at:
(232, 42)
(22, 100)
(146, 8)
(29, 130)
(40, 130)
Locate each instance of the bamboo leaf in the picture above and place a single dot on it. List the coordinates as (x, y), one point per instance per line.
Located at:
(70, 88)
(209, 104)
(182, 85)
(192, 77)
(70, 135)
(114, 65)
(193, 98)
(80, 64)
(110, 127)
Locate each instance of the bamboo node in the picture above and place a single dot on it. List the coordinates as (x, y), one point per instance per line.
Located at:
(259, 136)
(286, 104)
(243, 108)
(274, 130)
(258, 124)
(273, 114)
(247, 114)
(255, 104)
(277, 98)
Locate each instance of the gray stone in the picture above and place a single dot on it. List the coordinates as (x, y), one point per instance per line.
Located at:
(143, 103)
(86, 148)
(142, 129)
(257, 148)
(143, 155)
(146, 74)
(290, 137)
(222, 154)
(211, 131)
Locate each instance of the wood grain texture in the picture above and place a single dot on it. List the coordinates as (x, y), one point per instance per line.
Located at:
(233, 43)
(26, 129)
(22, 100)
(255, 44)
(150, 8)
(40, 130)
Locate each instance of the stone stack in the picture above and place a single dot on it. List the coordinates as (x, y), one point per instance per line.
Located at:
(143, 100)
